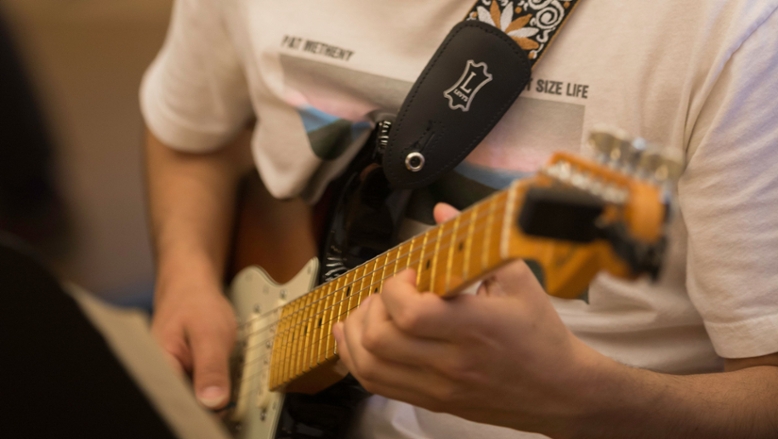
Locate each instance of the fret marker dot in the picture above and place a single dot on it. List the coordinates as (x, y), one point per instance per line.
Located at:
(428, 264)
(376, 290)
(461, 246)
(348, 291)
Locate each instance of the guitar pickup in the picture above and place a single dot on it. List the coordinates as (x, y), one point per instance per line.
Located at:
(561, 213)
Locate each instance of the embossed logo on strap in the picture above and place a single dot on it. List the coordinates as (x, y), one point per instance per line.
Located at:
(461, 94)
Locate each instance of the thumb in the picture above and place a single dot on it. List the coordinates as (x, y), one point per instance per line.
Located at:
(444, 212)
(211, 370)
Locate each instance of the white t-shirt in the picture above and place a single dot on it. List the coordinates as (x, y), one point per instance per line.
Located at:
(699, 76)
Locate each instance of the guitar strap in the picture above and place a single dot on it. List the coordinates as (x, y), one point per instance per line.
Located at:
(469, 83)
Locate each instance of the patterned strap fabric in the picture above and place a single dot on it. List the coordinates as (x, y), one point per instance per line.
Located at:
(532, 24)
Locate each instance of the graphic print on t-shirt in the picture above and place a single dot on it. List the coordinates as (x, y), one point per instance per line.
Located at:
(334, 102)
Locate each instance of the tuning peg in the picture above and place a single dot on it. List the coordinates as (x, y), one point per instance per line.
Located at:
(662, 164)
(616, 148)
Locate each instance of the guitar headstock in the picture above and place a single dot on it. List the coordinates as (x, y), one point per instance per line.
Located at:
(636, 158)
(622, 198)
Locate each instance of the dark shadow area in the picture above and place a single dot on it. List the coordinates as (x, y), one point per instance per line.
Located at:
(60, 378)
(30, 206)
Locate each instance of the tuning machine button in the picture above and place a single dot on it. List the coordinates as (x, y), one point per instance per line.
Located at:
(662, 164)
(629, 154)
(616, 148)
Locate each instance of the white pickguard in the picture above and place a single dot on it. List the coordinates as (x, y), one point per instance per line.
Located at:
(258, 300)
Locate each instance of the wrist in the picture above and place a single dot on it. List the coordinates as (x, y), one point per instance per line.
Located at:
(608, 396)
(187, 273)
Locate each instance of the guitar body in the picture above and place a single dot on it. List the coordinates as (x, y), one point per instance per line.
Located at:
(263, 414)
(319, 404)
(257, 300)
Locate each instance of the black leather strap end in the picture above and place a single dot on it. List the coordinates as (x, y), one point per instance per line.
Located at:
(471, 81)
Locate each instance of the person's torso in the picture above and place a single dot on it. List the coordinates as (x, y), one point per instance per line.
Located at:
(318, 70)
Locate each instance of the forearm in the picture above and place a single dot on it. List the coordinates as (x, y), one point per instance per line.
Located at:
(504, 357)
(635, 403)
(192, 204)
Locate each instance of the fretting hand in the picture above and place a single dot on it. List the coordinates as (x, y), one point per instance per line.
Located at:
(502, 357)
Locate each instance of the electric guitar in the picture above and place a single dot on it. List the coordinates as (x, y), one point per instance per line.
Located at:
(574, 218)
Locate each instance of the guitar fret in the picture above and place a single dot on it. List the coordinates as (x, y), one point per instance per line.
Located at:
(359, 281)
(326, 303)
(332, 313)
(310, 345)
(337, 302)
(495, 247)
(342, 308)
(372, 282)
(436, 254)
(299, 349)
(400, 258)
(289, 344)
(510, 211)
(285, 343)
(302, 362)
(412, 243)
(451, 252)
(488, 233)
(320, 314)
(479, 238)
(278, 351)
(288, 339)
(472, 219)
(422, 274)
(391, 262)
(293, 327)
(329, 341)
(295, 340)
(380, 269)
(298, 339)
(368, 288)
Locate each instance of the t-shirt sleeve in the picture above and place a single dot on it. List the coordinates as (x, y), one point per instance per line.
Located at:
(729, 200)
(194, 96)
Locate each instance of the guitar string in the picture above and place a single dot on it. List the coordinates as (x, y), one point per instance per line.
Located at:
(293, 354)
(240, 379)
(358, 296)
(350, 297)
(375, 269)
(335, 292)
(296, 314)
(301, 325)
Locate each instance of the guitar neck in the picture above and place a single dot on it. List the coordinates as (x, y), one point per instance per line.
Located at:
(447, 258)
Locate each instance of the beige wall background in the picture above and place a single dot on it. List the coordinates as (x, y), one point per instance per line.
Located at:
(86, 59)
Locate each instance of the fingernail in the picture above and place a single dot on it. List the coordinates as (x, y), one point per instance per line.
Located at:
(211, 397)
